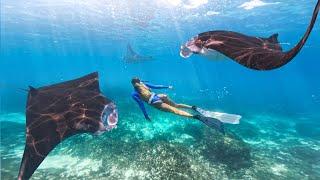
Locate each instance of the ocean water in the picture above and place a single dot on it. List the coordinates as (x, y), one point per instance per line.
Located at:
(45, 42)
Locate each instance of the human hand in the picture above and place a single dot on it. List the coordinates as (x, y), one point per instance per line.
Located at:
(170, 87)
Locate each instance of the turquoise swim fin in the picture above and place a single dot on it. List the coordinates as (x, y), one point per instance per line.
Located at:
(223, 117)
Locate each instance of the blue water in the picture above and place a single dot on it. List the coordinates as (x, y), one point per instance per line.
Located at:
(44, 42)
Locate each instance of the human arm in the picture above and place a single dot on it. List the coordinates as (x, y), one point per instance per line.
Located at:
(137, 98)
(152, 86)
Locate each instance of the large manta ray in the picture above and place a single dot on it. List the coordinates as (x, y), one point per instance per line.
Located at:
(59, 111)
(252, 52)
(132, 57)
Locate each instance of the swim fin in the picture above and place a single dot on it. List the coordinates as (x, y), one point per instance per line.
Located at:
(211, 122)
(223, 117)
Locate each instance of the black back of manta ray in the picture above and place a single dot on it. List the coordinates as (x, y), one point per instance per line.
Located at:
(253, 52)
(56, 112)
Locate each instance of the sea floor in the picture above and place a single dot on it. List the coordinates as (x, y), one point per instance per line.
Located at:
(262, 146)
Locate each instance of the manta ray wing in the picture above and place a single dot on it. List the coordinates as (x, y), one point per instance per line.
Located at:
(132, 56)
(130, 51)
(252, 52)
(56, 112)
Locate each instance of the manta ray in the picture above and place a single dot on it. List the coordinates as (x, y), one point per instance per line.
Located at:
(132, 57)
(59, 111)
(252, 52)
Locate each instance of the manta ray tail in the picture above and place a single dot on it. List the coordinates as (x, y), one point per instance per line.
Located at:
(294, 51)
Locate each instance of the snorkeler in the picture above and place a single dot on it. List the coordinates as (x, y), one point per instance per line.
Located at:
(142, 92)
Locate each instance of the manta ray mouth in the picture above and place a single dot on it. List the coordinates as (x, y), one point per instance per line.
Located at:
(185, 52)
(109, 118)
(191, 47)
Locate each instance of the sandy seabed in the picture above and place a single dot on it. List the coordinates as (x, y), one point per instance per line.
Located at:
(262, 147)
